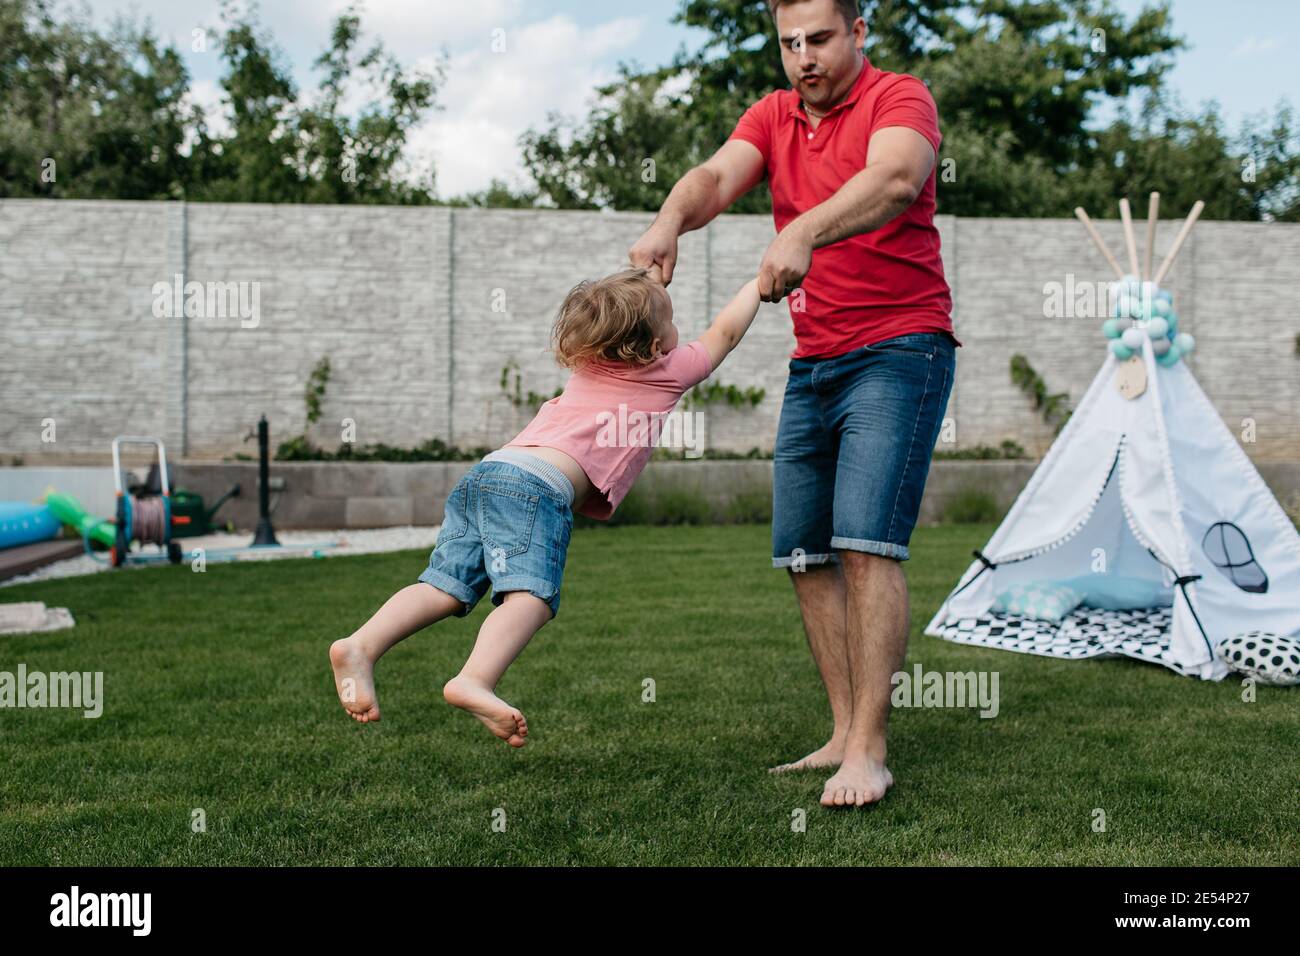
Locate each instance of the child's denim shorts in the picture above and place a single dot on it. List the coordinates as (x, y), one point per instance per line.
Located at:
(502, 526)
(853, 448)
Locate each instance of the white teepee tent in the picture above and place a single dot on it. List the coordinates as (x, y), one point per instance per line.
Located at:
(1151, 480)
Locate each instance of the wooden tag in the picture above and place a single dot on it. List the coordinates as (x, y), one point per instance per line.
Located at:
(1131, 377)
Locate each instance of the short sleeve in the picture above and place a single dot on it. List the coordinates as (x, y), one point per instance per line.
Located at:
(908, 103)
(689, 364)
(755, 128)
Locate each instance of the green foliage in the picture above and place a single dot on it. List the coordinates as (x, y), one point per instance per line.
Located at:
(664, 505)
(1016, 86)
(512, 389)
(750, 506)
(113, 113)
(1007, 450)
(1054, 406)
(1292, 508)
(971, 506)
(434, 449)
(316, 384)
(706, 393)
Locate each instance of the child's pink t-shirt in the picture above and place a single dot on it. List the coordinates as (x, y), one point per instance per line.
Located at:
(609, 415)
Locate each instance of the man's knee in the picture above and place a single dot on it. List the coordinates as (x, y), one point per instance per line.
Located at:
(862, 564)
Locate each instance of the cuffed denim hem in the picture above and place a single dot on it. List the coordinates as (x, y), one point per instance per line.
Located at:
(457, 589)
(538, 587)
(808, 559)
(886, 549)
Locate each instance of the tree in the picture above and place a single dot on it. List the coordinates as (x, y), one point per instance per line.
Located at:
(282, 150)
(1017, 85)
(85, 115)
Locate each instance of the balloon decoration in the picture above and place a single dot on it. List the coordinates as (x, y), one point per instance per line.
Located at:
(1140, 311)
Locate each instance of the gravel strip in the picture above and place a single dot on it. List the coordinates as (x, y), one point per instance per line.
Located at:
(294, 544)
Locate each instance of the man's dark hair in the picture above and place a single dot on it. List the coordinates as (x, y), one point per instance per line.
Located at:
(850, 10)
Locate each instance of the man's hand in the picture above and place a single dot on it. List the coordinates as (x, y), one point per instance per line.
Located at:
(784, 265)
(656, 247)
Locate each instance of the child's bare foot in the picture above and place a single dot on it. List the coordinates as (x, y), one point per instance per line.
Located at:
(859, 781)
(354, 679)
(499, 717)
(828, 755)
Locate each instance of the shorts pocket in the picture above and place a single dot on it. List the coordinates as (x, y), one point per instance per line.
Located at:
(917, 345)
(455, 513)
(507, 512)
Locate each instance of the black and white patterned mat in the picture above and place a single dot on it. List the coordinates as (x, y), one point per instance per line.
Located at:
(1084, 632)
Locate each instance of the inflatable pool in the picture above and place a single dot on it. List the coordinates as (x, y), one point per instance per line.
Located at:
(23, 523)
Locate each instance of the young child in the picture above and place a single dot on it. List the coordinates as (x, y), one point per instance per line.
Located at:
(507, 521)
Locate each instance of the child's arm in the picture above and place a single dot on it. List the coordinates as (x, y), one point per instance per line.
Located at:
(731, 324)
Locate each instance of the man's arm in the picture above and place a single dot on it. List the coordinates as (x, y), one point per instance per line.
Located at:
(696, 199)
(731, 324)
(900, 160)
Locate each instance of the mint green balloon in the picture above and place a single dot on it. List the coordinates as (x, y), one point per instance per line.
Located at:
(1170, 357)
(1120, 350)
(1110, 328)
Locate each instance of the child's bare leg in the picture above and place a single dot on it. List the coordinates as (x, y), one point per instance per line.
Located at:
(353, 658)
(505, 632)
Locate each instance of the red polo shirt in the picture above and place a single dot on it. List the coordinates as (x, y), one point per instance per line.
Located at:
(871, 286)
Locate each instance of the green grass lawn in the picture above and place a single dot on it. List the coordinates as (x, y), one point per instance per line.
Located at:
(219, 696)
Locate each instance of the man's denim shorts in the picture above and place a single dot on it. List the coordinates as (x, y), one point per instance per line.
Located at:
(853, 448)
(505, 527)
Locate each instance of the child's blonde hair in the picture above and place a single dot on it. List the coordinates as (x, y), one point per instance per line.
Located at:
(614, 319)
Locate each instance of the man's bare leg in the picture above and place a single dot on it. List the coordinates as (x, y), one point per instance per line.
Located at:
(877, 620)
(821, 593)
(353, 658)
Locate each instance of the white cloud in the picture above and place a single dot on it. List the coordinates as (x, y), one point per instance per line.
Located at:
(490, 98)
(1253, 45)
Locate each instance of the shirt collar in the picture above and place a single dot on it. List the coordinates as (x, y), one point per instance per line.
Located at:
(865, 76)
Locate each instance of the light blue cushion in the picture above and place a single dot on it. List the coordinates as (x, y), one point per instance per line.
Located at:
(1044, 600)
(1114, 592)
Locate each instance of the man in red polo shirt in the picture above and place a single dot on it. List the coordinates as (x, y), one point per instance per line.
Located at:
(849, 153)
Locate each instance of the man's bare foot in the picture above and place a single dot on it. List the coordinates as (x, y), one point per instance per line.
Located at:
(859, 781)
(354, 679)
(828, 755)
(499, 717)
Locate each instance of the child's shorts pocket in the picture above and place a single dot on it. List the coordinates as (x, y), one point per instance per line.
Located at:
(507, 512)
(455, 513)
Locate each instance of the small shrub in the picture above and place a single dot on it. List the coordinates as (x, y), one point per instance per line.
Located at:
(970, 506)
(673, 506)
(752, 506)
(1292, 508)
(1007, 450)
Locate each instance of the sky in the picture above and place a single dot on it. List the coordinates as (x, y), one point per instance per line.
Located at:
(556, 52)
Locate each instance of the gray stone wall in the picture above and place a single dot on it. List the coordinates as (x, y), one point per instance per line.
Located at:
(420, 309)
